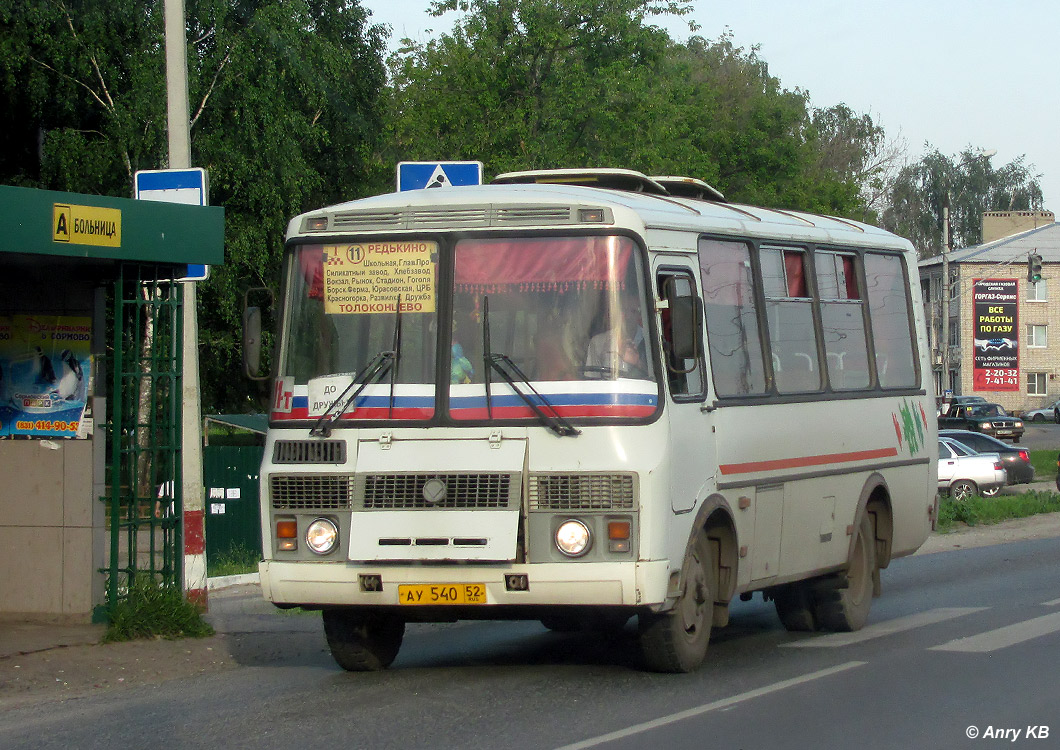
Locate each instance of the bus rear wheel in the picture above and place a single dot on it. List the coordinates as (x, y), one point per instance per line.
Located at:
(676, 641)
(363, 642)
(843, 601)
(794, 603)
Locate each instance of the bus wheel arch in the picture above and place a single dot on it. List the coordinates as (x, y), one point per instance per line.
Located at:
(714, 519)
(875, 501)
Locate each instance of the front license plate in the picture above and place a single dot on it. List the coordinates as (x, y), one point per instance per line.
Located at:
(442, 593)
(1004, 432)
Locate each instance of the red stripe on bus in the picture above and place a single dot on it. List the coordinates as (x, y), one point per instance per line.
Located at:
(803, 461)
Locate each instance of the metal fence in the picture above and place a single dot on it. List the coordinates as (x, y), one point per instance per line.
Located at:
(144, 504)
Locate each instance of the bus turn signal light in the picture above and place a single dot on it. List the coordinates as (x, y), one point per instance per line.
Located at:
(287, 535)
(618, 533)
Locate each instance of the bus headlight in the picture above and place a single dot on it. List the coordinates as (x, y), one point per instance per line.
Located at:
(322, 536)
(573, 538)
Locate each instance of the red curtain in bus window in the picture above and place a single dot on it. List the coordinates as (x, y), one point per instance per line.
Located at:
(851, 279)
(541, 264)
(793, 269)
(311, 263)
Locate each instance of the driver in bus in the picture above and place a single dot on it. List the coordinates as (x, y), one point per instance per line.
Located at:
(621, 350)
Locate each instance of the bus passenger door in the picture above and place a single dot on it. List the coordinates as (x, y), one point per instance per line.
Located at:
(690, 428)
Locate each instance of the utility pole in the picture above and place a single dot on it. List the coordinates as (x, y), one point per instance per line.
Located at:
(945, 304)
(192, 496)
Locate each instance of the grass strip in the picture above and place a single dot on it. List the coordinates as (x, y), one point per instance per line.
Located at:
(988, 510)
(236, 560)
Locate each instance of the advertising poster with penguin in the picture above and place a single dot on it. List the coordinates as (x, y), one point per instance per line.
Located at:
(45, 363)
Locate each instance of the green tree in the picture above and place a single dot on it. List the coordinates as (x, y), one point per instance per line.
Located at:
(85, 98)
(286, 115)
(523, 84)
(285, 110)
(855, 149)
(751, 137)
(530, 84)
(917, 195)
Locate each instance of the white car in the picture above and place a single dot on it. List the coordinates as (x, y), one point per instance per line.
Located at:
(1044, 414)
(964, 473)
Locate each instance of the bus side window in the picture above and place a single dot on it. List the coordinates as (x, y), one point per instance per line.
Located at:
(684, 374)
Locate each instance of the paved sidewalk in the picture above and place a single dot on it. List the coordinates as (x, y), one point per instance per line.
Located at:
(236, 606)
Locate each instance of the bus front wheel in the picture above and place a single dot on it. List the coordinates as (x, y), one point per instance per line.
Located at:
(843, 601)
(363, 642)
(676, 641)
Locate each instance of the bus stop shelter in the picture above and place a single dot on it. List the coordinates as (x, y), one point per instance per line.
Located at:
(90, 376)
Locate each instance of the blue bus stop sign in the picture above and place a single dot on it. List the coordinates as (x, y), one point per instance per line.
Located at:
(187, 186)
(418, 175)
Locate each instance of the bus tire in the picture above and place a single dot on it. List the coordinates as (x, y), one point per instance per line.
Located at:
(794, 603)
(676, 641)
(363, 642)
(843, 601)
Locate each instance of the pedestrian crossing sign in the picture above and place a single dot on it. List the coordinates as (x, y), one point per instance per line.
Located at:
(420, 175)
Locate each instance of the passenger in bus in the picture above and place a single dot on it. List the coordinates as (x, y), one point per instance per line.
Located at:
(557, 351)
(620, 351)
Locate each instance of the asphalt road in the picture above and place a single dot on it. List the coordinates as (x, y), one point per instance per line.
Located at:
(1041, 436)
(963, 639)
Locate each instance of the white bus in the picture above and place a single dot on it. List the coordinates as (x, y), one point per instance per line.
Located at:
(579, 396)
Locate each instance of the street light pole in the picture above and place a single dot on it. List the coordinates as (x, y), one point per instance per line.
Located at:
(945, 303)
(192, 496)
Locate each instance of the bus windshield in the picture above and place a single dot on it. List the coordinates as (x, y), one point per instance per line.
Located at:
(569, 313)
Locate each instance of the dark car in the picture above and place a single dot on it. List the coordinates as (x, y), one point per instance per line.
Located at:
(946, 404)
(1017, 460)
(989, 419)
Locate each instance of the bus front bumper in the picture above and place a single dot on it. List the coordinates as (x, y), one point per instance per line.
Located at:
(586, 584)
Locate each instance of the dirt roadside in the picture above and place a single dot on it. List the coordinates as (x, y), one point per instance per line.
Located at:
(251, 632)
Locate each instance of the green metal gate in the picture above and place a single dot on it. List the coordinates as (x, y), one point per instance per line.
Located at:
(233, 516)
(144, 429)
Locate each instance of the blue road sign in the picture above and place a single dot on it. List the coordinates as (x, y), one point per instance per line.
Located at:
(187, 186)
(418, 175)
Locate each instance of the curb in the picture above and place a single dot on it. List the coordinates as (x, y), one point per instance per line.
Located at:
(223, 582)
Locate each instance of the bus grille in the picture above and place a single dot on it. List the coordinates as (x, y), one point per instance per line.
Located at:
(462, 491)
(311, 491)
(582, 492)
(309, 452)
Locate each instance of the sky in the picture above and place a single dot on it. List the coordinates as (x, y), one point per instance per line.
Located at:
(949, 73)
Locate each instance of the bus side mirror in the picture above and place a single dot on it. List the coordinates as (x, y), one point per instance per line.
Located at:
(684, 319)
(252, 335)
(252, 341)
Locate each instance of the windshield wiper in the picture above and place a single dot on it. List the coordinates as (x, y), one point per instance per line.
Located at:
(510, 371)
(373, 371)
(383, 362)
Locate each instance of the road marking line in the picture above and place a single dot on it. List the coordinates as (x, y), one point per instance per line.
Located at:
(723, 703)
(1053, 603)
(1009, 635)
(889, 627)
